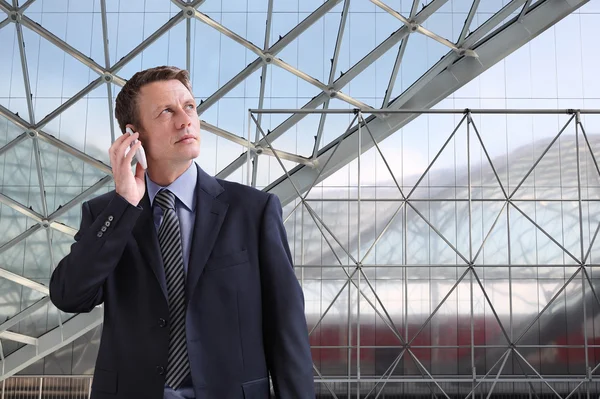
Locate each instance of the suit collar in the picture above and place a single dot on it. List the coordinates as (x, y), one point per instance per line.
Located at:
(210, 214)
(208, 184)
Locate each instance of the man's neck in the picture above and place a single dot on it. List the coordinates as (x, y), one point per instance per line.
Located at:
(163, 175)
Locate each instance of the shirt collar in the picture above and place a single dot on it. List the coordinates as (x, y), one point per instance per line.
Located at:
(183, 187)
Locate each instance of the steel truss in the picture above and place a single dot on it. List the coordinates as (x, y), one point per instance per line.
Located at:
(355, 267)
(470, 56)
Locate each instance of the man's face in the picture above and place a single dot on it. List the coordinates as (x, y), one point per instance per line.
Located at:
(170, 130)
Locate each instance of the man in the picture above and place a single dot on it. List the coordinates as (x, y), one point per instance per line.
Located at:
(195, 273)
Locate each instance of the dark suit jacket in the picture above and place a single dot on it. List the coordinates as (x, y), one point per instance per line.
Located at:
(245, 315)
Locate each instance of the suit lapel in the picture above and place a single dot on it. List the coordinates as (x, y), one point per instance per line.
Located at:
(147, 240)
(210, 213)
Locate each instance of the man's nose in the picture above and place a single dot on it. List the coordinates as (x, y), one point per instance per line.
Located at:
(184, 120)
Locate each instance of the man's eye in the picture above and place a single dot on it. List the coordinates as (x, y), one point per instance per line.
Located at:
(191, 106)
(166, 110)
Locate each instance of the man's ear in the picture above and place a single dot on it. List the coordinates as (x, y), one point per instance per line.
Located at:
(129, 125)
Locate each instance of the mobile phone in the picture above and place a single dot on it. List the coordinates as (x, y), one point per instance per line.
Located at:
(140, 155)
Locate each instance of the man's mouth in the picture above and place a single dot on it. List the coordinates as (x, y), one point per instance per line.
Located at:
(186, 139)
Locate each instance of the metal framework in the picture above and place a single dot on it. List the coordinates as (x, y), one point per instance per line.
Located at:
(471, 55)
(352, 256)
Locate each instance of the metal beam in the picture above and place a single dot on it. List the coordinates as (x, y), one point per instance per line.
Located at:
(288, 156)
(17, 206)
(25, 70)
(25, 313)
(5, 22)
(107, 65)
(184, 4)
(20, 237)
(40, 175)
(14, 119)
(48, 138)
(43, 32)
(217, 131)
(63, 228)
(25, 282)
(229, 33)
(468, 21)
(273, 50)
(271, 59)
(188, 46)
(16, 337)
(387, 111)
(50, 342)
(67, 104)
(149, 40)
(415, 27)
(395, 70)
(14, 142)
(341, 82)
(524, 9)
(79, 198)
(261, 93)
(7, 8)
(26, 5)
(74, 151)
(450, 59)
(437, 88)
(330, 80)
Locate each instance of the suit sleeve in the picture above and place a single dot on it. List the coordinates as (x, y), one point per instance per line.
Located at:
(76, 285)
(284, 322)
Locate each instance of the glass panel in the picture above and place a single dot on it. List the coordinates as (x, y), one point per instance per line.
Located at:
(519, 249)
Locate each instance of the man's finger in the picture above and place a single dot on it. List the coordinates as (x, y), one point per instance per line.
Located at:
(139, 171)
(120, 140)
(132, 151)
(114, 148)
(127, 142)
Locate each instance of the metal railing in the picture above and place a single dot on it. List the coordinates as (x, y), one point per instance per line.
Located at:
(47, 386)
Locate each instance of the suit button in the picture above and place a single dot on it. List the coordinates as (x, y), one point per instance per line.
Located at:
(107, 223)
(110, 218)
(103, 228)
(162, 322)
(99, 234)
(160, 370)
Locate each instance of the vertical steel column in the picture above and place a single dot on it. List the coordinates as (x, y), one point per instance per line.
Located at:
(583, 279)
(351, 276)
(405, 268)
(107, 78)
(470, 228)
(263, 82)
(188, 44)
(359, 265)
(509, 258)
(302, 260)
(248, 151)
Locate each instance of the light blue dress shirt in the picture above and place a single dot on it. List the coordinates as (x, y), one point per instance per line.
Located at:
(184, 188)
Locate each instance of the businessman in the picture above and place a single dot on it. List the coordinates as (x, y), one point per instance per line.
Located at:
(195, 273)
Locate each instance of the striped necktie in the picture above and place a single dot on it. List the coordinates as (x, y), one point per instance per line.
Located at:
(169, 238)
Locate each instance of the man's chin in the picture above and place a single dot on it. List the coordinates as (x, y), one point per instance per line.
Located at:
(191, 154)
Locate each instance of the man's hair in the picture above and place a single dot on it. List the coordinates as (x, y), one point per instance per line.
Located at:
(126, 109)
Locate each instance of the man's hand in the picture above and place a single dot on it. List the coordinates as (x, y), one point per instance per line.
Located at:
(129, 186)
